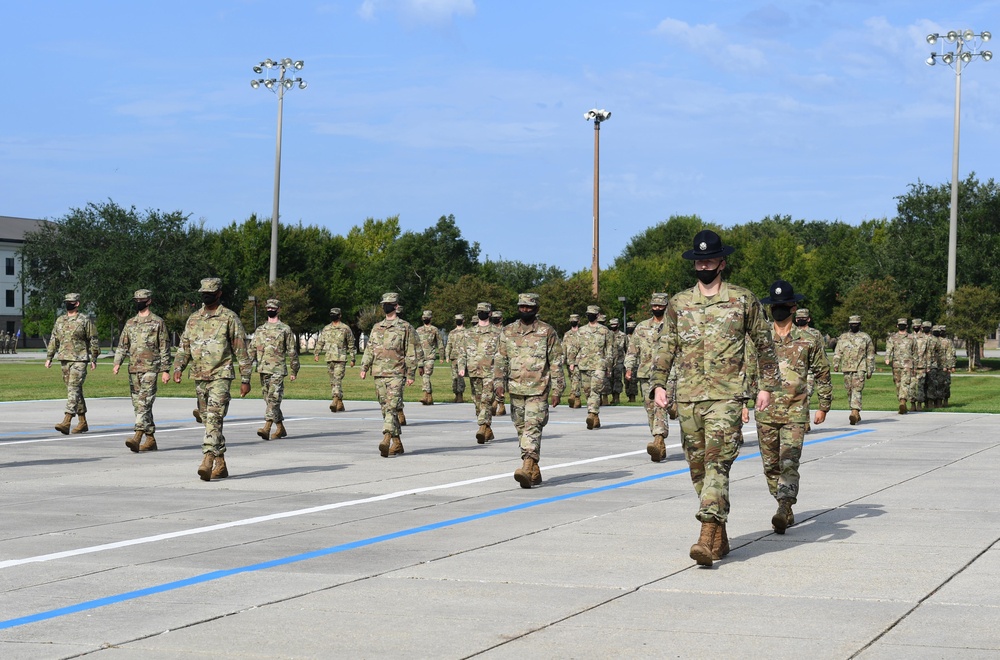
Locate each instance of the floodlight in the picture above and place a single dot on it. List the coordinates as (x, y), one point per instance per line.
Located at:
(987, 55)
(968, 35)
(948, 58)
(299, 64)
(931, 61)
(951, 36)
(255, 84)
(985, 36)
(966, 57)
(257, 69)
(303, 84)
(932, 39)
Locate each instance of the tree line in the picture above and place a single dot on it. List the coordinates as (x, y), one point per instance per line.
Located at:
(881, 269)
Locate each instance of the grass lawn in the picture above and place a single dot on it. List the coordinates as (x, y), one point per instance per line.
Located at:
(29, 380)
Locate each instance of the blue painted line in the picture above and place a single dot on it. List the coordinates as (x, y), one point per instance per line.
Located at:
(353, 545)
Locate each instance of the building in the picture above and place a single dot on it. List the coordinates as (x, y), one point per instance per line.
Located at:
(12, 231)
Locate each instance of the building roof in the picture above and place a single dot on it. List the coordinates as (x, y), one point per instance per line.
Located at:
(12, 230)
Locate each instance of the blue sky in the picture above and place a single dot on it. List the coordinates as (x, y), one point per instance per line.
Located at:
(732, 111)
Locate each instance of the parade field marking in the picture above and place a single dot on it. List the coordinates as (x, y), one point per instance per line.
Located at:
(322, 552)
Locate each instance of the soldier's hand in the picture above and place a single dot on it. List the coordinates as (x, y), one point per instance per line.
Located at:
(820, 417)
(887, 360)
(48, 364)
(672, 410)
(420, 370)
(555, 401)
(116, 368)
(572, 367)
(244, 389)
(363, 374)
(628, 374)
(660, 397)
(291, 378)
(352, 364)
(745, 415)
(763, 400)
(177, 376)
(461, 373)
(498, 393)
(93, 365)
(867, 376)
(166, 377)
(316, 359)
(409, 381)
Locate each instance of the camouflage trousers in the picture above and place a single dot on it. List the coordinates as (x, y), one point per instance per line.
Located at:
(656, 415)
(947, 385)
(74, 373)
(780, 451)
(337, 371)
(389, 390)
(483, 396)
(711, 436)
(632, 386)
(457, 382)
(854, 383)
(576, 383)
(530, 414)
(272, 390)
(425, 382)
(143, 389)
(918, 392)
(617, 374)
(935, 383)
(213, 402)
(901, 376)
(593, 381)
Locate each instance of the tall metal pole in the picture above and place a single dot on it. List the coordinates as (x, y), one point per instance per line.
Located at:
(273, 276)
(595, 268)
(953, 217)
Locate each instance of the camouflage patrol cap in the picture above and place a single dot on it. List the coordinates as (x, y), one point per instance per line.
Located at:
(659, 299)
(334, 311)
(927, 324)
(496, 314)
(802, 313)
(210, 285)
(484, 307)
(426, 315)
(601, 318)
(593, 309)
(630, 324)
(399, 309)
(390, 297)
(901, 321)
(614, 322)
(272, 303)
(71, 297)
(854, 319)
(142, 294)
(459, 317)
(916, 322)
(527, 300)
(574, 317)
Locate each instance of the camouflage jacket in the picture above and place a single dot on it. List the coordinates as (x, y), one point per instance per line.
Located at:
(391, 350)
(418, 347)
(705, 338)
(338, 340)
(211, 340)
(935, 353)
(569, 342)
(799, 354)
(456, 341)
(948, 347)
(74, 339)
(146, 342)
(275, 349)
(639, 357)
(531, 357)
(920, 350)
(479, 351)
(594, 348)
(900, 350)
(855, 352)
(621, 346)
(430, 341)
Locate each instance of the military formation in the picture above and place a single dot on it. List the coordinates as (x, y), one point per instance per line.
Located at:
(8, 342)
(705, 356)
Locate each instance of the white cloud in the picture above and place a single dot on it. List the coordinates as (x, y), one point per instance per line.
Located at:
(420, 11)
(711, 42)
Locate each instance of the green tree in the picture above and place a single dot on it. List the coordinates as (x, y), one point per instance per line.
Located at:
(975, 315)
(560, 298)
(296, 310)
(462, 296)
(877, 302)
(676, 234)
(519, 276)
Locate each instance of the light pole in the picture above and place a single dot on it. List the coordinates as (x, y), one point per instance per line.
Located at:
(967, 46)
(253, 299)
(622, 300)
(278, 86)
(597, 116)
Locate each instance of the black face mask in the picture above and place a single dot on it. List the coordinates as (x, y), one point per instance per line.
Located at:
(70, 306)
(902, 327)
(427, 321)
(854, 327)
(574, 324)
(528, 317)
(272, 313)
(658, 313)
(936, 333)
(141, 305)
(388, 308)
(591, 317)
(483, 315)
(706, 276)
(629, 331)
(801, 322)
(780, 312)
(334, 317)
(459, 324)
(209, 298)
(496, 321)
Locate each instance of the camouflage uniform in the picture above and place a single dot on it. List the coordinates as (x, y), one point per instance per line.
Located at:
(476, 360)
(593, 353)
(430, 341)
(899, 352)
(275, 351)
(617, 369)
(338, 341)
(639, 362)
(949, 363)
(570, 343)
(391, 357)
(917, 384)
(4, 341)
(146, 342)
(418, 351)
(631, 384)
(529, 358)
(452, 350)
(935, 357)
(705, 338)
(74, 344)
(855, 357)
(211, 341)
(802, 314)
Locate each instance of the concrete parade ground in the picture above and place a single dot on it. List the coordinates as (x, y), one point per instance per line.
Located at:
(317, 547)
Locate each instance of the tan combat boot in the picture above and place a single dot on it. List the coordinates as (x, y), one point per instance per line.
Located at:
(396, 449)
(536, 475)
(721, 546)
(701, 551)
(430, 399)
(63, 426)
(401, 418)
(219, 469)
(783, 518)
(501, 409)
(458, 398)
(197, 416)
(902, 406)
(81, 424)
(279, 431)
(265, 431)
(913, 406)
(597, 421)
(590, 421)
(631, 398)
(133, 442)
(657, 450)
(333, 405)
(205, 469)
(149, 444)
(481, 434)
(524, 474)
(340, 405)
(855, 416)
(383, 447)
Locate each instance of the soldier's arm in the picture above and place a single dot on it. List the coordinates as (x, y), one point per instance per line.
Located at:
(350, 346)
(411, 356)
(163, 340)
(870, 355)
(556, 372)
(768, 376)
(501, 365)
(819, 365)
(238, 338)
(183, 355)
(320, 341)
(292, 348)
(122, 350)
(664, 352)
(95, 346)
(836, 356)
(53, 346)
